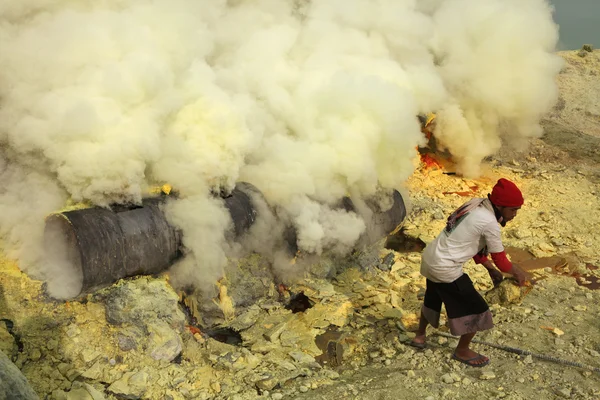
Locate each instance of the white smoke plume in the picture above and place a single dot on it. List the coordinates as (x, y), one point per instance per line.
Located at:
(307, 100)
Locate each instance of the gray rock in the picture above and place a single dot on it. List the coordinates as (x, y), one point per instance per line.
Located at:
(13, 384)
(163, 343)
(387, 262)
(132, 337)
(367, 260)
(141, 301)
(250, 279)
(126, 343)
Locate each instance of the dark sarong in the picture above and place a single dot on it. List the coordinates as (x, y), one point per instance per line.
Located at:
(467, 310)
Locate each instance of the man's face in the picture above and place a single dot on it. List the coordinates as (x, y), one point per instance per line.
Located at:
(508, 213)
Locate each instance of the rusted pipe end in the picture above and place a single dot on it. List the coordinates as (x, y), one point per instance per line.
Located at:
(63, 258)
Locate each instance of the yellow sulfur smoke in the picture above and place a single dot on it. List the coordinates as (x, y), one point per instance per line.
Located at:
(307, 100)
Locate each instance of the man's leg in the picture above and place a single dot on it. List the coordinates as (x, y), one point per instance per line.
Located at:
(430, 313)
(420, 334)
(463, 352)
(468, 313)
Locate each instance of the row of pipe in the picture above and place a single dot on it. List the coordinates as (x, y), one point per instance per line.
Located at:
(99, 246)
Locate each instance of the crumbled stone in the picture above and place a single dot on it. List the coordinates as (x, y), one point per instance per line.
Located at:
(130, 386)
(487, 375)
(142, 301)
(331, 374)
(94, 372)
(35, 355)
(78, 394)
(267, 383)
(88, 355)
(564, 392)
(447, 378)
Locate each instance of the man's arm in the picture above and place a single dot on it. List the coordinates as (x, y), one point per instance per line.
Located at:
(494, 273)
(494, 244)
(504, 265)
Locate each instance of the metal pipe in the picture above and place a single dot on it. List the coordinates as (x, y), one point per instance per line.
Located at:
(525, 353)
(91, 248)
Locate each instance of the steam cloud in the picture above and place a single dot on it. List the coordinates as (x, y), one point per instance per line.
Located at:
(308, 101)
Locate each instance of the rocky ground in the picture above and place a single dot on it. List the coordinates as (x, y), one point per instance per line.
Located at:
(344, 337)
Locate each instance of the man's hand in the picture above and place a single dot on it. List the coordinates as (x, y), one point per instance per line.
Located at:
(496, 276)
(521, 276)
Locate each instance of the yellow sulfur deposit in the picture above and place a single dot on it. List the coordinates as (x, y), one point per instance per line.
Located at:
(430, 119)
(164, 189)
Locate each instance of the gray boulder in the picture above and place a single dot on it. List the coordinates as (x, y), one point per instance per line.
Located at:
(13, 384)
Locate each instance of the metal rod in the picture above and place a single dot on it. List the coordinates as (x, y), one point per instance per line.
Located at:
(524, 352)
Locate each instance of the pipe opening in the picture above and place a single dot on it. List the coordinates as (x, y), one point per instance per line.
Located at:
(63, 258)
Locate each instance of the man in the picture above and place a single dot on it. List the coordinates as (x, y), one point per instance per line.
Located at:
(471, 231)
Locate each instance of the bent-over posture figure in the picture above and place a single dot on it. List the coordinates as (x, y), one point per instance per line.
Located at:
(471, 231)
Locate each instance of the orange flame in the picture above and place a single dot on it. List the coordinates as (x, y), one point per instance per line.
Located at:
(430, 162)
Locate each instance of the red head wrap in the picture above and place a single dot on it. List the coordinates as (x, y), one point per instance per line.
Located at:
(506, 194)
